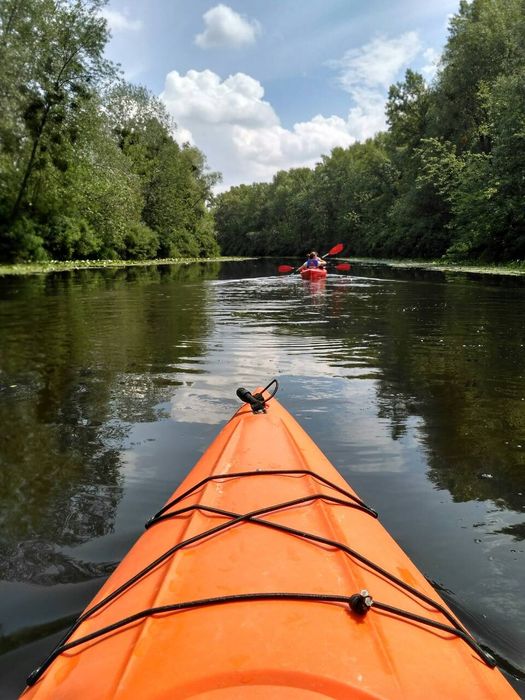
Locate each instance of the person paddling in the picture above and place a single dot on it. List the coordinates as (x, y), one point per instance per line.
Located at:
(313, 260)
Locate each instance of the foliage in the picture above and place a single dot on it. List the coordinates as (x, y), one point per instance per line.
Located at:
(22, 242)
(68, 239)
(446, 179)
(240, 219)
(140, 242)
(89, 164)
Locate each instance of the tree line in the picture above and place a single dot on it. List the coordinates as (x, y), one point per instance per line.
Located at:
(89, 167)
(445, 179)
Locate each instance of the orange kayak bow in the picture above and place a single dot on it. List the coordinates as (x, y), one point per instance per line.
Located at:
(265, 576)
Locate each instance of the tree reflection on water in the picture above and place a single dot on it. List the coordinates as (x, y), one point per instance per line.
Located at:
(83, 357)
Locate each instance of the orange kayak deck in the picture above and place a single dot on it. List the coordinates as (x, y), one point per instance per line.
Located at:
(266, 643)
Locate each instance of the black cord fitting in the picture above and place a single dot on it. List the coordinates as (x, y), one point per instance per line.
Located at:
(256, 401)
(360, 603)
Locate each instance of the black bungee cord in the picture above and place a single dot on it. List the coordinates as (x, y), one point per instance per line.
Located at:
(357, 602)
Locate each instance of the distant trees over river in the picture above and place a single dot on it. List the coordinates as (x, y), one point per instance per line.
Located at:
(89, 167)
(446, 179)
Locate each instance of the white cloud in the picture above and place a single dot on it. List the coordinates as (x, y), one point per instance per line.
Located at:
(184, 136)
(430, 68)
(241, 134)
(302, 145)
(225, 28)
(119, 21)
(367, 116)
(366, 74)
(377, 63)
(200, 96)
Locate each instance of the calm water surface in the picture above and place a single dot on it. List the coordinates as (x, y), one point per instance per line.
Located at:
(113, 383)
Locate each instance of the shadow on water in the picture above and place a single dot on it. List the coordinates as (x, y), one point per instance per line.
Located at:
(113, 382)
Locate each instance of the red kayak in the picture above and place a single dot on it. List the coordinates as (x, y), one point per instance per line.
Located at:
(313, 273)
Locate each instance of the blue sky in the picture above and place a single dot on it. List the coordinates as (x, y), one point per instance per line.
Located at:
(265, 85)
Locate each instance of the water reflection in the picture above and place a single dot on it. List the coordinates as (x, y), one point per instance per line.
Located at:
(112, 382)
(78, 360)
(517, 531)
(41, 563)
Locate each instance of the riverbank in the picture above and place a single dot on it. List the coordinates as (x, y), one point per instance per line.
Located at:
(514, 268)
(64, 265)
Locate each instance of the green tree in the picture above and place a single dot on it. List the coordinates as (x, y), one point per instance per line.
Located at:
(241, 219)
(67, 62)
(485, 41)
(351, 194)
(89, 164)
(176, 186)
(418, 218)
(507, 115)
(289, 227)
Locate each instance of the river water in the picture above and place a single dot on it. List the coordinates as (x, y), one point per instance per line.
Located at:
(113, 383)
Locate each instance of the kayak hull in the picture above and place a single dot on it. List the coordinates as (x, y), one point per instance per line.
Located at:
(273, 647)
(313, 274)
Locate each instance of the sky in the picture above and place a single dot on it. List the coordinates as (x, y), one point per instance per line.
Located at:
(266, 85)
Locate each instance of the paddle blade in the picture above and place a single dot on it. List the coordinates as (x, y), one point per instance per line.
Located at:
(344, 267)
(336, 249)
(285, 268)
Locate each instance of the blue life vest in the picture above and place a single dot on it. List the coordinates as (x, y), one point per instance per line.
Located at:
(312, 262)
